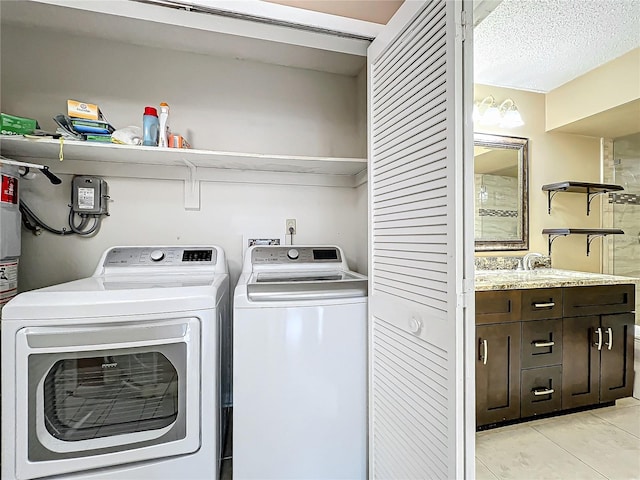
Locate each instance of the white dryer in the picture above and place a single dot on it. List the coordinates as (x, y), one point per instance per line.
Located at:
(300, 366)
(116, 376)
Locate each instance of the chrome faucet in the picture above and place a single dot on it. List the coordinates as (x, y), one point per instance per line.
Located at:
(526, 261)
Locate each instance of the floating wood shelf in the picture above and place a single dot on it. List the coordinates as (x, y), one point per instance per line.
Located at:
(591, 189)
(591, 233)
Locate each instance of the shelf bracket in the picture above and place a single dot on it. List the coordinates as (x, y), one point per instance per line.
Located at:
(590, 196)
(590, 238)
(550, 195)
(552, 237)
(191, 187)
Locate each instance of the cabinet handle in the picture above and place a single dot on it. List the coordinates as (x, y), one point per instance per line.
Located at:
(599, 342)
(485, 351)
(546, 391)
(609, 344)
(544, 305)
(544, 344)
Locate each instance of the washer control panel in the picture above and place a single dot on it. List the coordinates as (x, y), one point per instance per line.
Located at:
(165, 256)
(288, 255)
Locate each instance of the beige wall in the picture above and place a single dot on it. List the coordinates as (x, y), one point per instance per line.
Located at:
(553, 157)
(580, 104)
(377, 11)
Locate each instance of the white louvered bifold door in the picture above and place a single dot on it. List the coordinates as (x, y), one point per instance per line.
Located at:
(421, 246)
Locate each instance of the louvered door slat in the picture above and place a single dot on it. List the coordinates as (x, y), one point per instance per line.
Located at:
(412, 154)
(411, 380)
(433, 358)
(416, 92)
(412, 270)
(431, 125)
(417, 253)
(401, 213)
(427, 174)
(413, 105)
(436, 261)
(409, 167)
(410, 65)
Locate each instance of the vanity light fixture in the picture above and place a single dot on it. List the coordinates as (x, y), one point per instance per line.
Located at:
(489, 113)
(510, 116)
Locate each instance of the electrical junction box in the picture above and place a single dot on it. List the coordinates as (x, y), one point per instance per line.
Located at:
(89, 195)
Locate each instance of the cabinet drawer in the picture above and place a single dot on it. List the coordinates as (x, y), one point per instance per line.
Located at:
(541, 303)
(541, 343)
(598, 300)
(497, 306)
(541, 391)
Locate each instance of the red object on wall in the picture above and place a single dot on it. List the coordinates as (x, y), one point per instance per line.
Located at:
(9, 190)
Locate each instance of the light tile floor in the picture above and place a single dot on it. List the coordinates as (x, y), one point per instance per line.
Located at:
(596, 444)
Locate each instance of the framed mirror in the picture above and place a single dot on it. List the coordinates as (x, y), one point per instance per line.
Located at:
(501, 192)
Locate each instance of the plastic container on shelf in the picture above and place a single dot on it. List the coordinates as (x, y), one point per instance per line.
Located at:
(150, 127)
(164, 125)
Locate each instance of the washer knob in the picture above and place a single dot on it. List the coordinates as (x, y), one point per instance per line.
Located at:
(157, 255)
(293, 254)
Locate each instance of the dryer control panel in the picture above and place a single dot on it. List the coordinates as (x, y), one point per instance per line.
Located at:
(165, 256)
(292, 254)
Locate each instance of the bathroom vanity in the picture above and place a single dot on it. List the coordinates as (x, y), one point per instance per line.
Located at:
(550, 340)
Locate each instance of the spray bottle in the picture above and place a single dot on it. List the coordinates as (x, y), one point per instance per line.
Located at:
(164, 125)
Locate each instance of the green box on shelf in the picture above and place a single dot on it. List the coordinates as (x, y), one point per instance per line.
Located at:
(12, 125)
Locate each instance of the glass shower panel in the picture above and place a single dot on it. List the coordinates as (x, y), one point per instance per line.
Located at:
(626, 206)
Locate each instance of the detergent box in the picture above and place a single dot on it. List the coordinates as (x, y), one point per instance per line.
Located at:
(89, 111)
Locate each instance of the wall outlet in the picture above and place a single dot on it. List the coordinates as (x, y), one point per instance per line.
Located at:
(291, 224)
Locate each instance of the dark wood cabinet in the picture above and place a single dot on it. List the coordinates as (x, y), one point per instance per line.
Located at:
(598, 348)
(580, 362)
(497, 373)
(551, 349)
(616, 357)
(541, 390)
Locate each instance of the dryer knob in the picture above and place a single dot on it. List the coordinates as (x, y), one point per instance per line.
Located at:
(157, 255)
(293, 254)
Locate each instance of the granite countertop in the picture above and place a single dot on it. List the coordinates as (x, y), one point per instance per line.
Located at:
(544, 278)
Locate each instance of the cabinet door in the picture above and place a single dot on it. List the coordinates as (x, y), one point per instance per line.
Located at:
(580, 361)
(616, 357)
(497, 373)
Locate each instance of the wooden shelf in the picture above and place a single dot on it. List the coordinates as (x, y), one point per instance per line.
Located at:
(191, 166)
(591, 233)
(591, 189)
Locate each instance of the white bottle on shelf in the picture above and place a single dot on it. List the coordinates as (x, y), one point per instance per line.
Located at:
(164, 125)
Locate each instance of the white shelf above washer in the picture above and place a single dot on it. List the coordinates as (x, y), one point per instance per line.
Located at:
(189, 165)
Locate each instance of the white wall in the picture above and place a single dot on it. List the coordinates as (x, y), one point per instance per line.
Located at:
(217, 103)
(223, 104)
(148, 212)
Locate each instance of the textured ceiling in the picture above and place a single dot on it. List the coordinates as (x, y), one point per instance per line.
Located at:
(540, 45)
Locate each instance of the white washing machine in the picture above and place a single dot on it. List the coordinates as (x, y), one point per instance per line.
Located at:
(116, 376)
(300, 366)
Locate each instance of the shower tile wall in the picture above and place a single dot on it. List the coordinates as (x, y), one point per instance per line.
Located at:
(495, 216)
(621, 165)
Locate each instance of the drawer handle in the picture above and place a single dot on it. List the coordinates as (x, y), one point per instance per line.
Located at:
(599, 342)
(544, 344)
(546, 391)
(610, 335)
(544, 305)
